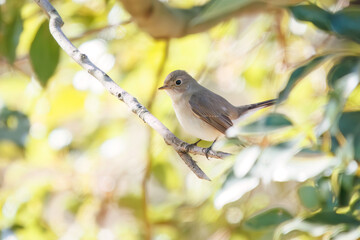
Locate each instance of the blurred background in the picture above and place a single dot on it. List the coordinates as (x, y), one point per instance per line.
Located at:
(75, 163)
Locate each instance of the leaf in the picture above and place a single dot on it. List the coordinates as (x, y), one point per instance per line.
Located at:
(299, 167)
(355, 206)
(347, 186)
(344, 78)
(299, 73)
(272, 217)
(312, 13)
(349, 126)
(347, 23)
(341, 68)
(44, 54)
(333, 109)
(332, 218)
(233, 189)
(309, 197)
(245, 160)
(310, 152)
(216, 9)
(14, 126)
(271, 122)
(326, 195)
(10, 36)
(131, 201)
(273, 162)
(351, 130)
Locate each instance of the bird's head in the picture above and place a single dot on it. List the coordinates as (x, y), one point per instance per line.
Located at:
(178, 81)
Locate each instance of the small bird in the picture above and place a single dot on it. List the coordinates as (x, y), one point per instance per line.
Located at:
(201, 112)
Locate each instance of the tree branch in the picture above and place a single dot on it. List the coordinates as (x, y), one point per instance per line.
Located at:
(179, 146)
(161, 21)
(97, 30)
(147, 172)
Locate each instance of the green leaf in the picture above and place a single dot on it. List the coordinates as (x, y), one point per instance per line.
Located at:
(347, 23)
(14, 126)
(355, 206)
(131, 201)
(272, 217)
(309, 197)
(332, 218)
(215, 9)
(9, 35)
(299, 73)
(347, 186)
(271, 122)
(349, 126)
(312, 13)
(44, 54)
(343, 77)
(326, 194)
(341, 68)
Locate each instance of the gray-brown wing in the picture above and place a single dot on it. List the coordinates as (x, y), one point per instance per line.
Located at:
(212, 109)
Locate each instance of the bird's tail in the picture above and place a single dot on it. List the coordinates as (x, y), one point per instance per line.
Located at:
(255, 106)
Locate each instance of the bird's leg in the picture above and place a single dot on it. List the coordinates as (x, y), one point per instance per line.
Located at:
(191, 145)
(209, 149)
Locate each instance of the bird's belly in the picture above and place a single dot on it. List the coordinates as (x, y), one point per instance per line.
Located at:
(194, 125)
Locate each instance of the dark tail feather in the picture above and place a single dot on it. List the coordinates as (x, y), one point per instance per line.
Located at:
(244, 109)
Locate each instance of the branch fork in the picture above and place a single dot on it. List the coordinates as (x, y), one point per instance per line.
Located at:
(179, 146)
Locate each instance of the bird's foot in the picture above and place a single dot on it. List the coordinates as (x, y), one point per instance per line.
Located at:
(187, 148)
(208, 150)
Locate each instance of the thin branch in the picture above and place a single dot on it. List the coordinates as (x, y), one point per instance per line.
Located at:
(100, 29)
(179, 146)
(279, 16)
(148, 228)
(21, 65)
(162, 21)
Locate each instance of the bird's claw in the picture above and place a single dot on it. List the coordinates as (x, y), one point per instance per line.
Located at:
(209, 149)
(207, 152)
(187, 148)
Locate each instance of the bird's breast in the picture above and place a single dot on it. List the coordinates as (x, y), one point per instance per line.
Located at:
(191, 123)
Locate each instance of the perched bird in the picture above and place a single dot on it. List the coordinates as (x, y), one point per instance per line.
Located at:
(201, 112)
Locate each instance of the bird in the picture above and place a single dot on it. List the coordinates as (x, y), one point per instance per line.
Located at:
(201, 112)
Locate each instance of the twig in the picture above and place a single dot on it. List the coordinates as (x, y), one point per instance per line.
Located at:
(178, 145)
(279, 15)
(148, 228)
(96, 30)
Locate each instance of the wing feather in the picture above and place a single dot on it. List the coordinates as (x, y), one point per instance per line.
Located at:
(214, 110)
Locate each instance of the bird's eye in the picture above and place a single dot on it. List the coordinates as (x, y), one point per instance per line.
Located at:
(178, 82)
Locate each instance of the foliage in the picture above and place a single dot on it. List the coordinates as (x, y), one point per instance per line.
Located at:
(76, 164)
(44, 54)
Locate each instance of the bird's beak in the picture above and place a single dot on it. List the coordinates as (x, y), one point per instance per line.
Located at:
(164, 87)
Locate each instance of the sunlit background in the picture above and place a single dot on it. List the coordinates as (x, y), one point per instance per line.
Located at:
(76, 163)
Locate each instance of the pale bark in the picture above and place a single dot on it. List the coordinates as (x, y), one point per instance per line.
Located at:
(179, 146)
